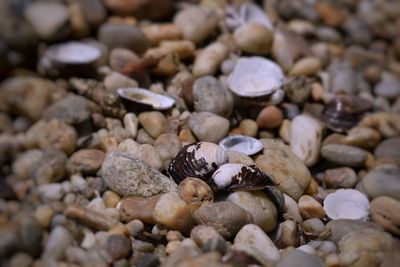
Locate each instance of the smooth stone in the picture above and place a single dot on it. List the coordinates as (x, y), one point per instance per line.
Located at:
(260, 207)
(363, 137)
(197, 23)
(387, 123)
(128, 175)
(365, 247)
(299, 259)
(208, 61)
(143, 9)
(44, 215)
(305, 138)
(153, 122)
(93, 11)
(212, 96)
(86, 161)
(297, 89)
(291, 209)
(238, 157)
(73, 109)
(51, 167)
(150, 156)
(383, 181)
(313, 226)
(307, 66)
(21, 259)
(144, 138)
(388, 88)
(386, 212)
(254, 38)
(51, 192)
(125, 36)
(59, 240)
(30, 233)
(115, 80)
(285, 168)
(249, 127)
(330, 14)
(287, 234)
(310, 208)
(25, 164)
(269, 117)
(118, 247)
(131, 123)
(343, 177)
(252, 240)
(389, 149)
(342, 78)
(203, 234)
(167, 146)
(344, 155)
(226, 217)
(47, 19)
(209, 127)
(56, 134)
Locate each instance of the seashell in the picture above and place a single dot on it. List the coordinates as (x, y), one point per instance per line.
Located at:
(138, 99)
(240, 143)
(197, 160)
(344, 112)
(346, 204)
(246, 13)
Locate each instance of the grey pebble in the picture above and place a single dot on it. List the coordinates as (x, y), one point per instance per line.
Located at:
(297, 258)
(59, 240)
(389, 149)
(383, 181)
(207, 126)
(344, 155)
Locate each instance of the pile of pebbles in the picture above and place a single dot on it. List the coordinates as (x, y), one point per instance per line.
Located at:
(199, 133)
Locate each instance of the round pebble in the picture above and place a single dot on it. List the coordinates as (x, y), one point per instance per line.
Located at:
(386, 212)
(382, 181)
(269, 117)
(344, 155)
(310, 208)
(254, 38)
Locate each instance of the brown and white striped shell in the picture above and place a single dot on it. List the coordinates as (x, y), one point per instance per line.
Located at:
(198, 160)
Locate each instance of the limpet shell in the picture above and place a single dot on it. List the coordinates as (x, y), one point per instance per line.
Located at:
(241, 143)
(135, 99)
(346, 204)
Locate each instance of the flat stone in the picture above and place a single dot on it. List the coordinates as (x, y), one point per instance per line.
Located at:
(86, 161)
(389, 149)
(344, 155)
(386, 212)
(383, 181)
(300, 259)
(209, 127)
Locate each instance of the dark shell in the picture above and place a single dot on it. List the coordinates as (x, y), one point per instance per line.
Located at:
(344, 112)
(198, 160)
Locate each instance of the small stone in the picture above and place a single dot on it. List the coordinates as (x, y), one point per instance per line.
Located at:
(389, 149)
(269, 117)
(150, 156)
(208, 61)
(51, 167)
(297, 89)
(340, 177)
(115, 35)
(51, 192)
(153, 122)
(128, 175)
(238, 157)
(111, 199)
(30, 233)
(363, 137)
(299, 259)
(344, 155)
(26, 163)
(387, 123)
(131, 123)
(260, 207)
(330, 15)
(226, 217)
(210, 95)
(138, 208)
(21, 259)
(382, 181)
(305, 138)
(59, 240)
(118, 247)
(156, 33)
(196, 23)
(174, 235)
(307, 66)
(249, 127)
(144, 138)
(135, 227)
(209, 127)
(203, 234)
(313, 227)
(115, 80)
(195, 192)
(140, 9)
(310, 208)
(173, 212)
(254, 38)
(341, 80)
(173, 246)
(44, 215)
(388, 88)
(291, 209)
(167, 146)
(252, 240)
(386, 212)
(287, 234)
(86, 161)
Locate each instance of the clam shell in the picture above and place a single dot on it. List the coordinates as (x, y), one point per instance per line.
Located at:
(135, 99)
(240, 143)
(255, 77)
(73, 53)
(198, 160)
(346, 204)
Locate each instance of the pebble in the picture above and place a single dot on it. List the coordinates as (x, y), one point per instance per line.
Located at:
(118, 247)
(297, 90)
(260, 207)
(313, 227)
(24, 166)
(47, 19)
(144, 138)
(305, 138)
(386, 212)
(203, 234)
(287, 234)
(285, 168)
(196, 23)
(300, 259)
(131, 123)
(269, 117)
(252, 240)
(167, 146)
(150, 156)
(140, 9)
(128, 175)
(239, 157)
(307, 66)
(44, 215)
(343, 177)
(195, 192)
(172, 246)
(310, 208)
(208, 61)
(281, 51)
(138, 208)
(135, 227)
(59, 240)
(111, 199)
(173, 235)
(291, 209)
(344, 155)
(156, 33)
(341, 78)
(254, 38)
(153, 122)
(115, 35)
(115, 80)
(51, 192)
(388, 88)
(30, 234)
(363, 137)
(209, 127)
(387, 123)
(382, 181)
(249, 127)
(330, 14)
(86, 161)
(388, 150)
(226, 217)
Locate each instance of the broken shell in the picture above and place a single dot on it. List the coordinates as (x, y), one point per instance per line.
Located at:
(240, 143)
(198, 160)
(346, 204)
(138, 99)
(344, 112)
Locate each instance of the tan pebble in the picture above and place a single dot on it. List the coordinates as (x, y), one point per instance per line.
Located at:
(317, 91)
(307, 66)
(310, 208)
(157, 33)
(59, 135)
(236, 131)
(111, 199)
(288, 234)
(386, 212)
(135, 227)
(153, 122)
(312, 188)
(254, 38)
(150, 155)
(249, 127)
(284, 131)
(44, 215)
(119, 229)
(173, 246)
(183, 48)
(330, 14)
(282, 52)
(269, 117)
(168, 64)
(195, 192)
(174, 235)
(138, 208)
(131, 123)
(186, 136)
(332, 260)
(209, 59)
(363, 137)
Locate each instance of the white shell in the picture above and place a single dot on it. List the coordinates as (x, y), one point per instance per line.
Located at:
(255, 77)
(240, 143)
(146, 97)
(346, 204)
(73, 53)
(222, 177)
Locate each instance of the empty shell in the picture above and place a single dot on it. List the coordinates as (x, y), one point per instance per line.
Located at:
(138, 99)
(346, 204)
(240, 143)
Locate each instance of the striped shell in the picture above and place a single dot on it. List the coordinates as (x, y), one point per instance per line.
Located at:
(198, 160)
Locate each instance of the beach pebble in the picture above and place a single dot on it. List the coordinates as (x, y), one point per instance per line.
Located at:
(167, 146)
(138, 208)
(389, 149)
(307, 66)
(300, 259)
(238, 157)
(382, 181)
(387, 123)
(115, 80)
(343, 177)
(208, 61)
(24, 166)
(260, 207)
(196, 23)
(207, 126)
(269, 117)
(150, 156)
(59, 240)
(131, 123)
(310, 208)
(297, 89)
(313, 226)
(212, 96)
(287, 234)
(285, 168)
(305, 138)
(30, 233)
(86, 161)
(386, 212)
(226, 217)
(254, 38)
(204, 234)
(344, 155)
(128, 175)
(153, 122)
(118, 247)
(252, 239)
(249, 127)
(363, 137)
(388, 88)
